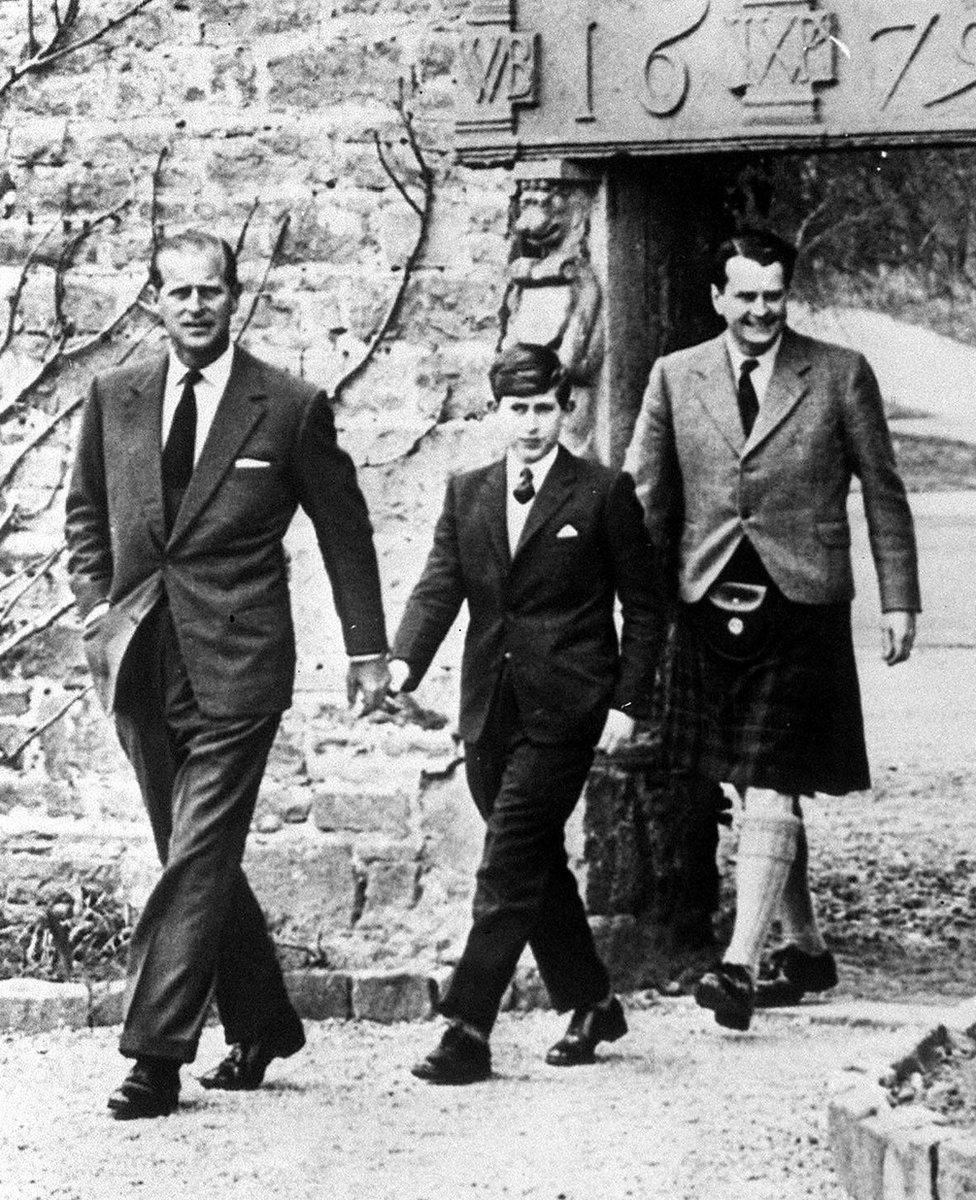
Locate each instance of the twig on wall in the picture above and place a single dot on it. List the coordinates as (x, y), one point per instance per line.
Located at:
(12, 755)
(424, 210)
(37, 626)
(33, 576)
(40, 57)
(276, 249)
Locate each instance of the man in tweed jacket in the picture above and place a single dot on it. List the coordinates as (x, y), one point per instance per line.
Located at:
(743, 456)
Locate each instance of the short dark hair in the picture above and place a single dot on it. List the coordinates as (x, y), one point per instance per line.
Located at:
(529, 369)
(196, 239)
(761, 245)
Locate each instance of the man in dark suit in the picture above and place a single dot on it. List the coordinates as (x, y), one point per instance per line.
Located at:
(189, 469)
(743, 456)
(540, 545)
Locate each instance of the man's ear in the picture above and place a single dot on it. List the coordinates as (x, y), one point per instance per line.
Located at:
(717, 294)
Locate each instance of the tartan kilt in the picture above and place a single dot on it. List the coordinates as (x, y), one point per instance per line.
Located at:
(789, 718)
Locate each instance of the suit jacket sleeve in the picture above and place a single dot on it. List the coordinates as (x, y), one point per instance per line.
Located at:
(435, 600)
(87, 524)
(643, 602)
(652, 463)
(889, 519)
(329, 492)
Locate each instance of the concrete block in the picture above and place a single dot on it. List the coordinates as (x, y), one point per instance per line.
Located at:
(35, 1006)
(393, 996)
(956, 1178)
(106, 1003)
(320, 995)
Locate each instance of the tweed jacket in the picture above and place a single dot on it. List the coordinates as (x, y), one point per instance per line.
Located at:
(547, 613)
(704, 485)
(271, 448)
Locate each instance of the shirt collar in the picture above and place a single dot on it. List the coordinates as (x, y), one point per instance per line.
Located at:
(539, 469)
(738, 356)
(216, 374)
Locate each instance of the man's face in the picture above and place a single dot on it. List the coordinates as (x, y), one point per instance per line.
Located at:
(532, 424)
(195, 304)
(752, 304)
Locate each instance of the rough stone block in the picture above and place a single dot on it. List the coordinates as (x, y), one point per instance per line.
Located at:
(304, 884)
(14, 699)
(320, 995)
(35, 1006)
(618, 944)
(393, 996)
(389, 885)
(854, 1100)
(106, 1004)
(360, 811)
(909, 1155)
(956, 1178)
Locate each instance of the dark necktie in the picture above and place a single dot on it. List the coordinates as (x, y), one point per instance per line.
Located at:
(748, 400)
(180, 444)
(525, 490)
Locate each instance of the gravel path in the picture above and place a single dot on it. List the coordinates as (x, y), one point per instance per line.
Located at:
(678, 1109)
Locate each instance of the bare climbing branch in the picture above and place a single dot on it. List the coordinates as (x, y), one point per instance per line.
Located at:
(35, 627)
(33, 575)
(12, 755)
(39, 58)
(276, 249)
(15, 297)
(424, 212)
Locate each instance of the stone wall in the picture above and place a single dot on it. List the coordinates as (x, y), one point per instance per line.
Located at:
(364, 838)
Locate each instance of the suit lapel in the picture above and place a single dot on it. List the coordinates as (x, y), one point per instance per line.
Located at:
(144, 421)
(490, 514)
(787, 387)
(715, 389)
(555, 491)
(241, 407)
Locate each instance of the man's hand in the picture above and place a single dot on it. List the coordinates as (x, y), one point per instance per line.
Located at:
(369, 678)
(897, 636)
(399, 674)
(98, 611)
(618, 728)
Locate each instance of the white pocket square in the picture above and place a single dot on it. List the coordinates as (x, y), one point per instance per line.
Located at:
(251, 462)
(568, 531)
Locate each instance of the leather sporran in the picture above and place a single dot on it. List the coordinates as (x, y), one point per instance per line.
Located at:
(737, 620)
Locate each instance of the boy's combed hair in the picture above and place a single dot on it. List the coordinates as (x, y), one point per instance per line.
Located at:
(526, 369)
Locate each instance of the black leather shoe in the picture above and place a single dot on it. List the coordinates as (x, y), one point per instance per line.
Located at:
(587, 1027)
(244, 1067)
(460, 1058)
(151, 1089)
(727, 989)
(792, 973)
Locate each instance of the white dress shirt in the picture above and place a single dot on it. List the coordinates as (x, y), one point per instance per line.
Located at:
(208, 391)
(763, 373)
(517, 514)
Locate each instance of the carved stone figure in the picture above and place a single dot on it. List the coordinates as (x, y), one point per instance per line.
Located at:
(553, 296)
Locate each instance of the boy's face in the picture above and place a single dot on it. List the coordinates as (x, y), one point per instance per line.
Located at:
(532, 424)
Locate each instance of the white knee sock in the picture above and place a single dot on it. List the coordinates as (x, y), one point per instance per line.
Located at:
(767, 847)
(797, 913)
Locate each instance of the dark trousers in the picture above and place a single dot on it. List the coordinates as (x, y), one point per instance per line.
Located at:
(525, 892)
(201, 931)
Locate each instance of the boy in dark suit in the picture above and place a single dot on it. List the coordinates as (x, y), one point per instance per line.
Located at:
(540, 544)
